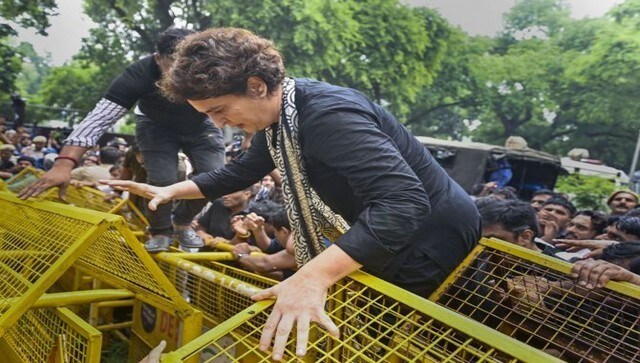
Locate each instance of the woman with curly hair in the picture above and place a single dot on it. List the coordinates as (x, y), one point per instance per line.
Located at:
(351, 173)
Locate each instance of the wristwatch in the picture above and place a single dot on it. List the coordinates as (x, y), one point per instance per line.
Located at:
(241, 255)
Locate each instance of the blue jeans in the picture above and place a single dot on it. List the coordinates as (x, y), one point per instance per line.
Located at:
(160, 145)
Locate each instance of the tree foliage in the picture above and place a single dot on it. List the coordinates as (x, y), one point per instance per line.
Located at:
(559, 82)
(586, 192)
(387, 50)
(29, 14)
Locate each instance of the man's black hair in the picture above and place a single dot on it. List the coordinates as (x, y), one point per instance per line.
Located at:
(513, 215)
(168, 39)
(543, 192)
(625, 254)
(629, 225)
(265, 209)
(27, 158)
(109, 155)
(506, 193)
(280, 219)
(599, 220)
(561, 202)
(634, 212)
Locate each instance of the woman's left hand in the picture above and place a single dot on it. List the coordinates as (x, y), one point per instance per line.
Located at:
(300, 300)
(158, 195)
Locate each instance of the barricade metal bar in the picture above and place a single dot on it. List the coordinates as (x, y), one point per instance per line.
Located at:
(508, 345)
(533, 298)
(81, 297)
(39, 277)
(204, 340)
(93, 335)
(553, 263)
(238, 286)
(134, 269)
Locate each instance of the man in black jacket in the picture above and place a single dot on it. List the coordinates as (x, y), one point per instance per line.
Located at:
(163, 128)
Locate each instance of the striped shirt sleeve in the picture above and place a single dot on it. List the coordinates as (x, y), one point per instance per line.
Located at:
(95, 124)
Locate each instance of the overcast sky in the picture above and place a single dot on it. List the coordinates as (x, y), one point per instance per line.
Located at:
(474, 16)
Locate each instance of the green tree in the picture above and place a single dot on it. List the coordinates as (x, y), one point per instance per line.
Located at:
(586, 192)
(607, 75)
(445, 107)
(34, 69)
(70, 86)
(387, 50)
(29, 14)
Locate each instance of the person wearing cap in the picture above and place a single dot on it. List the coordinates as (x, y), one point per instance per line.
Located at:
(36, 150)
(622, 201)
(163, 128)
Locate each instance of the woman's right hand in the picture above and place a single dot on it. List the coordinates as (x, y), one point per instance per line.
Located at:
(158, 195)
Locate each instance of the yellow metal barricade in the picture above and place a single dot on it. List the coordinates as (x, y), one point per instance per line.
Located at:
(83, 197)
(51, 335)
(23, 179)
(41, 239)
(219, 291)
(533, 298)
(378, 322)
(38, 242)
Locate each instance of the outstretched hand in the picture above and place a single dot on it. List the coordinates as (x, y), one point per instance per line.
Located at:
(158, 195)
(56, 177)
(298, 302)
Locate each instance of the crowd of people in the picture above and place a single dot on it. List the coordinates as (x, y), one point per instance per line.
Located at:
(19, 149)
(329, 182)
(602, 245)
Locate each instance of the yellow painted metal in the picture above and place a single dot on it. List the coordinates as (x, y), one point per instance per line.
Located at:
(59, 231)
(191, 329)
(37, 334)
(204, 341)
(533, 298)
(152, 324)
(224, 246)
(455, 273)
(23, 179)
(118, 259)
(93, 335)
(238, 286)
(207, 256)
(216, 302)
(379, 322)
(553, 263)
(115, 304)
(83, 197)
(115, 326)
(73, 298)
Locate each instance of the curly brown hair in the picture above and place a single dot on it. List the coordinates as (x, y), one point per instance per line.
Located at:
(218, 62)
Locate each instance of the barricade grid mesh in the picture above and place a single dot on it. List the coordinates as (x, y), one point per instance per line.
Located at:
(373, 327)
(94, 199)
(23, 179)
(36, 336)
(112, 253)
(546, 309)
(83, 197)
(32, 241)
(217, 303)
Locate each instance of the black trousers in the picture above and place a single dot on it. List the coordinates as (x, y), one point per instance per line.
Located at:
(160, 145)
